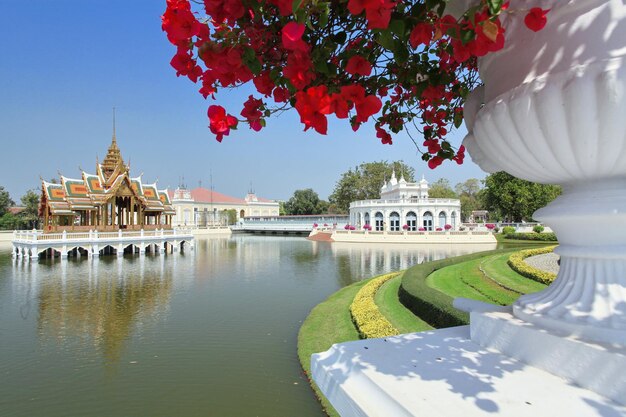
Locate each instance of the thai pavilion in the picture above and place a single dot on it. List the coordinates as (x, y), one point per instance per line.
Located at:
(109, 200)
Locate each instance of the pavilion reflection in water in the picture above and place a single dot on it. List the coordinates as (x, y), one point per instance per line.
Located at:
(108, 306)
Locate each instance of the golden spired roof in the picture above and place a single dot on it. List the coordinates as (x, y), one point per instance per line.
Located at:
(113, 160)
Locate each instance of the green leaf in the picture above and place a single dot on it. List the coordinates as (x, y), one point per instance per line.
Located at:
(385, 39)
(458, 119)
(321, 66)
(397, 26)
(249, 58)
(494, 6)
(400, 52)
(296, 5)
(467, 36)
(323, 19)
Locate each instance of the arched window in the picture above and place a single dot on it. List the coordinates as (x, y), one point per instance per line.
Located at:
(411, 221)
(428, 221)
(442, 219)
(453, 220)
(242, 214)
(394, 222)
(378, 222)
(367, 218)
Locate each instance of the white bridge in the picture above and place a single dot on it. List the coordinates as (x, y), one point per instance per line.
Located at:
(32, 244)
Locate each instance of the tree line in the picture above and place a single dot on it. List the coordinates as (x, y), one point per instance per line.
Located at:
(25, 217)
(505, 197)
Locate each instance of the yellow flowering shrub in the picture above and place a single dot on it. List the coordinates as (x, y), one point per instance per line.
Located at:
(516, 262)
(368, 319)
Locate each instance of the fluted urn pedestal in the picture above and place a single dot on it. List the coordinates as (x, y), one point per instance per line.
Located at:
(553, 110)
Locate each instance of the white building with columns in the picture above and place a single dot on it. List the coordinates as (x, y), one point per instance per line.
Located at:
(403, 203)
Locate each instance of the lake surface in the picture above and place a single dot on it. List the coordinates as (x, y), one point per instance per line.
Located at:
(205, 333)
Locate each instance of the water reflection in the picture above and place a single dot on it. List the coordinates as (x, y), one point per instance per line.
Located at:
(218, 323)
(356, 261)
(102, 302)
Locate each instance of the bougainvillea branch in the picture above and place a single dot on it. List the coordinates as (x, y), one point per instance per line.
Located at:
(405, 65)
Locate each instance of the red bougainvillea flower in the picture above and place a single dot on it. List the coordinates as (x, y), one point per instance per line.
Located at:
(357, 65)
(284, 6)
(384, 136)
(367, 107)
(536, 19)
(349, 58)
(219, 122)
(422, 33)
(252, 114)
(264, 84)
(434, 162)
(184, 64)
(313, 105)
(292, 37)
(377, 12)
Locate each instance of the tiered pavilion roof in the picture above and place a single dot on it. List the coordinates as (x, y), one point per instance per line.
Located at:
(109, 200)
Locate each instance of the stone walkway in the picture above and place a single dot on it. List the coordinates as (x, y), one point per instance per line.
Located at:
(546, 262)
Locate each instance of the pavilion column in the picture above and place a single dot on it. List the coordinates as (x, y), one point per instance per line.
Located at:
(132, 211)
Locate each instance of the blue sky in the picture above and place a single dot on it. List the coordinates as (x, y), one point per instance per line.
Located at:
(66, 63)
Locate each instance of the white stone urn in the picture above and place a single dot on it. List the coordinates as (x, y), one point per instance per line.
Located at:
(553, 110)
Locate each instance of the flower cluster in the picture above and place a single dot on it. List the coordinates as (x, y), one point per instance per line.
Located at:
(402, 65)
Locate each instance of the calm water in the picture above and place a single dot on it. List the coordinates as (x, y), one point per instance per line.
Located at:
(207, 333)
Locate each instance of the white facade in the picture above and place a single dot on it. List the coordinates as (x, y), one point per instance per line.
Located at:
(203, 207)
(407, 204)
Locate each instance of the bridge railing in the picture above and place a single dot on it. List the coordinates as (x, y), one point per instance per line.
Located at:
(37, 236)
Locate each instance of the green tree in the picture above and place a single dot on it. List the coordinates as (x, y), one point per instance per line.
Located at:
(322, 207)
(514, 199)
(5, 201)
(469, 194)
(365, 181)
(9, 221)
(230, 216)
(303, 202)
(29, 217)
(441, 189)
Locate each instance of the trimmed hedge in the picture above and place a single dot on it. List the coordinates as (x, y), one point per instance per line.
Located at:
(429, 304)
(366, 316)
(516, 262)
(508, 230)
(541, 237)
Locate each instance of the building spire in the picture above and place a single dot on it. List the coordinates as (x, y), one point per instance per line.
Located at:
(114, 141)
(113, 161)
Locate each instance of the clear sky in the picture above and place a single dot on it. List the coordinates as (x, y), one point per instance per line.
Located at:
(65, 63)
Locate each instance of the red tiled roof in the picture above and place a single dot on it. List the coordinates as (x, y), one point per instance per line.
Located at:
(203, 195)
(16, 209)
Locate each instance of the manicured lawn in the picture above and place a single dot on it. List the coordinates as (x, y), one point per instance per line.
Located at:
(327, 324)
(402, 318)
(487, 279)
(497, 269)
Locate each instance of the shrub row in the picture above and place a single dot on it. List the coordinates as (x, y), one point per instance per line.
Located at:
(541, 237)
(516, 262)
(429, 304)
(508, 230)
(366, 316)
